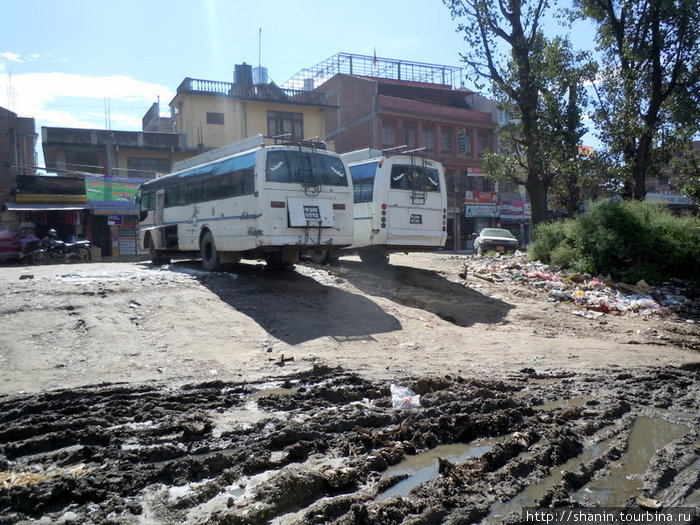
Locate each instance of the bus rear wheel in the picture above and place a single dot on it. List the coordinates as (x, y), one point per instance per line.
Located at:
(211, 260)
(374, 257)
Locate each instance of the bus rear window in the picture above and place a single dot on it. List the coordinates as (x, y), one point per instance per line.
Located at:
(305, 168)
(407, 177)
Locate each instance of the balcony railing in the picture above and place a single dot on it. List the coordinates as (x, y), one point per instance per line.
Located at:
(263, 92)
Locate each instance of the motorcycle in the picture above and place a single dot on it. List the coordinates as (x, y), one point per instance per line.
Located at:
(51, 248)
(32, 252)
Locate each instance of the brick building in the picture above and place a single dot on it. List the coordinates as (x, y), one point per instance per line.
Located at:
(17, 156)
(385, 103)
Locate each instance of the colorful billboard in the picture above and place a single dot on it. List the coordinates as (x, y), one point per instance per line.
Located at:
(114, 193)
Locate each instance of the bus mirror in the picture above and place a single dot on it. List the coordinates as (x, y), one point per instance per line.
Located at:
(143, 214)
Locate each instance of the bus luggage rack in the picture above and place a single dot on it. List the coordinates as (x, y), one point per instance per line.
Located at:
(286, 140)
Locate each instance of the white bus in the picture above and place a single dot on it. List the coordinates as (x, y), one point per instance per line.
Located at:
(400, 202)
(248, 200)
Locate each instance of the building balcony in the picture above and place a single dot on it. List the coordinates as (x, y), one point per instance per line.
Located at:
(257, 92)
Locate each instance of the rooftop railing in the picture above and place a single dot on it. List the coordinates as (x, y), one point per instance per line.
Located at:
(264, 92)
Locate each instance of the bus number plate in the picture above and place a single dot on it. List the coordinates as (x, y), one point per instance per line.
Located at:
(416, 218)
(312, 213)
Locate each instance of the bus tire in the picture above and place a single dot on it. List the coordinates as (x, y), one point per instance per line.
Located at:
(157, 257)
(319, 256)
(211, 260)
(373, 257)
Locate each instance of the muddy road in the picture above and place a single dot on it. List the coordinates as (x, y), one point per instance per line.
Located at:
(135, 394)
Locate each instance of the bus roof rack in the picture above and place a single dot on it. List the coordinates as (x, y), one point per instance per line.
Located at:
(286, 140)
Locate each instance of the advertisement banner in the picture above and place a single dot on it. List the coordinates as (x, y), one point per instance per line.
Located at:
(480, 197)
(515, 210)
(481, 210)
(112, 192)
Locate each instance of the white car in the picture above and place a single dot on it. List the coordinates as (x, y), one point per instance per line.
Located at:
(496, 240)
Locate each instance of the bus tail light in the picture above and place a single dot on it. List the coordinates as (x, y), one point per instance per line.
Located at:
(277, 204)
(338, 206)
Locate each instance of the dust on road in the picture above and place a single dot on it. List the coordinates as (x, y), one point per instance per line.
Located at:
(136, 394)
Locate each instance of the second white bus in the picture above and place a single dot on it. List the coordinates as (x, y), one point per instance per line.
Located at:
(400, 203)
(255, 201)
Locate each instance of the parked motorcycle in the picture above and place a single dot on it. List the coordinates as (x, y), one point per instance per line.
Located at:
(53, 249)
(32, 252)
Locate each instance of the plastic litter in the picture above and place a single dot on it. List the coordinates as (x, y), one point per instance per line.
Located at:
(599, 295)
(404, 397)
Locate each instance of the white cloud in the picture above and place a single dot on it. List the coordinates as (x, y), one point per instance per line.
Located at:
(12, 57)
(67, 100)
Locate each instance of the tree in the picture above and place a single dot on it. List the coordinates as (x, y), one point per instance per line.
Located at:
(649, 88)
(537, 84)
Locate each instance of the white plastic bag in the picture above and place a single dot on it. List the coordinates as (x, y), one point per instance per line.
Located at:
(404, 397)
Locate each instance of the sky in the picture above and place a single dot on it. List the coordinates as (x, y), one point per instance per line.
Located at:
(102, 63)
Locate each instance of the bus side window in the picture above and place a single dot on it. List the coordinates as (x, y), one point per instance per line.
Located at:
(194, 192)
(248, 177)
(363, 181)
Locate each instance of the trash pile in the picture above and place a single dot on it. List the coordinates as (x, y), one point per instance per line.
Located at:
(594, 296)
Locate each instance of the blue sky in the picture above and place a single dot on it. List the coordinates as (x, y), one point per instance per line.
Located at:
(99, 63)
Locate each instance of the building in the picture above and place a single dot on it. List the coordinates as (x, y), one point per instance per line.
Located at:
(18, 140)
(210, 114)
(384, 103)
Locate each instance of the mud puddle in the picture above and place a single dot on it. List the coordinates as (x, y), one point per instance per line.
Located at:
(327, 446)
(427, 465)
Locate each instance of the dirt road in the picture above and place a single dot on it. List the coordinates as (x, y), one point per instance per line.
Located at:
(136, 394)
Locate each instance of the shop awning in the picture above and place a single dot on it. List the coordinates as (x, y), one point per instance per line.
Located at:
(13, 206)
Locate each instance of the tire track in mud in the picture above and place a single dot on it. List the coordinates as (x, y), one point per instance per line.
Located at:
(317, 448)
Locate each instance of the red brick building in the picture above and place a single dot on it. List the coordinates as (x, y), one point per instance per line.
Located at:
(384, 103)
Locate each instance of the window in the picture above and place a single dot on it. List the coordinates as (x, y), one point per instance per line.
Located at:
(146, 167)
(464, 140)
(305, 168)
(409, 135)
(281, 122)
(215, 118)
(446, 141)
(429, 138)
(363, 181)
(484, 145)
(388, 134)
(407, 177)
(146, 202)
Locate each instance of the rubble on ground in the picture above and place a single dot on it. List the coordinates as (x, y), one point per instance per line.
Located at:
(592, 296)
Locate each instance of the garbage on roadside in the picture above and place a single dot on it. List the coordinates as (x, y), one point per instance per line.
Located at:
(592, 296)
(404, 397)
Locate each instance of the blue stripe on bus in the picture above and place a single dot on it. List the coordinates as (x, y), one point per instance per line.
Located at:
(362, 218)
(209, 219)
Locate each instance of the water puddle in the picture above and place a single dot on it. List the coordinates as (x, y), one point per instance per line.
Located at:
(624, 480)
(532, 493)
(575, 402)
(267, 392)
(424, 467)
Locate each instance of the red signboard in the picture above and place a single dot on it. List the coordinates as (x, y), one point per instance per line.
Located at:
(481, 197)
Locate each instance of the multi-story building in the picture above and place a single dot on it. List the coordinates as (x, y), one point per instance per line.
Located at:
(384, 103)
(17, 157)
(211, 113)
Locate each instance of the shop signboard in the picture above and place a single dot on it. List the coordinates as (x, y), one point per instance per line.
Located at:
(115, 220)
(481, 210)
(480, 197)
(115, 193)
(515, 210)
(475, 172)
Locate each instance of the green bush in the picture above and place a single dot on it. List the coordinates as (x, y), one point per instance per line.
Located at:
(629, 240)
